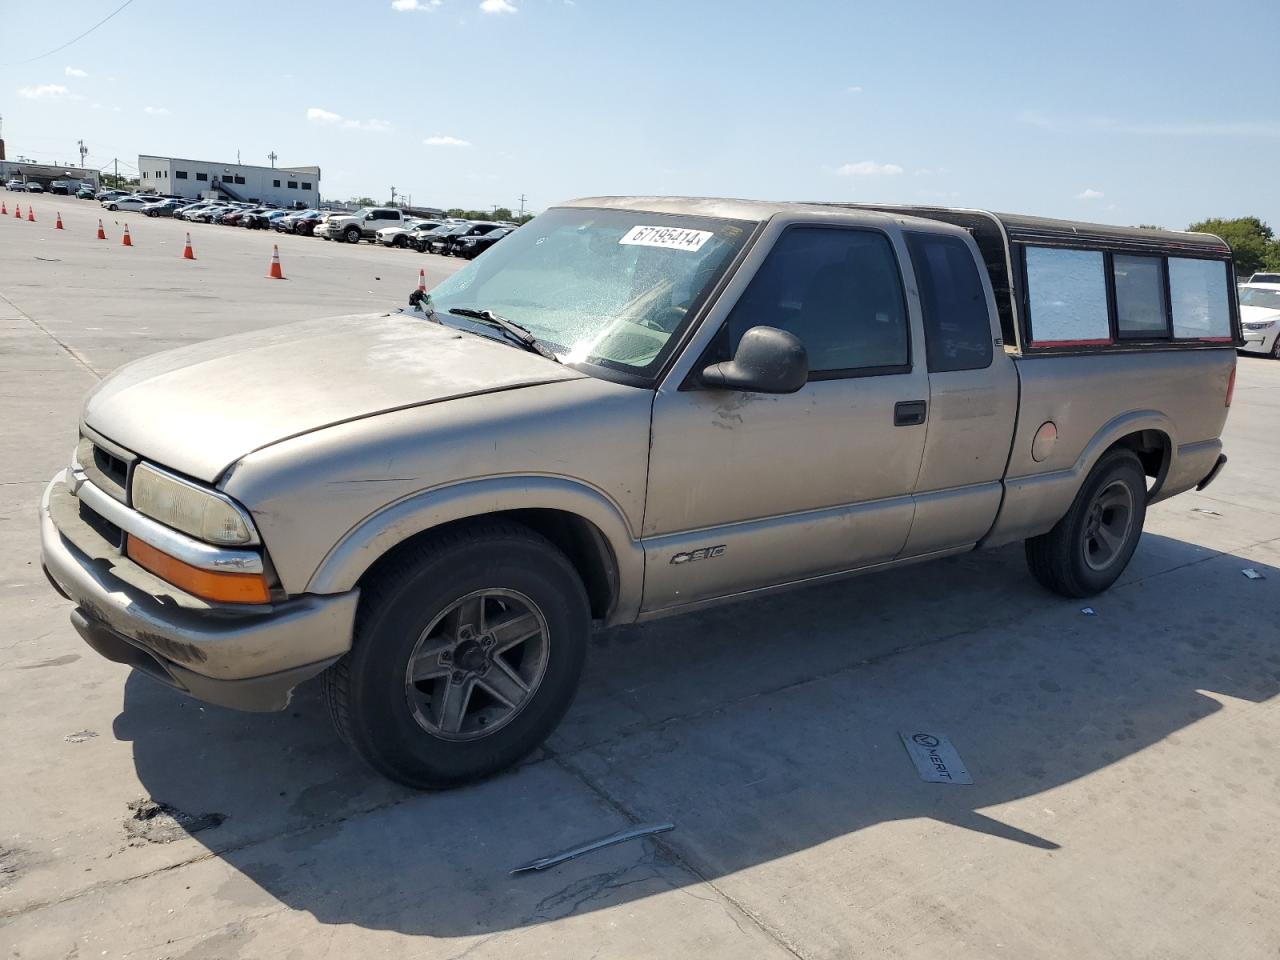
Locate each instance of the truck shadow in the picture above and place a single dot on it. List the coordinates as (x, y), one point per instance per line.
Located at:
(761, 730)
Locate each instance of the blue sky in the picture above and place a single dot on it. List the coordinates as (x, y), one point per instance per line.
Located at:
(1125, 112)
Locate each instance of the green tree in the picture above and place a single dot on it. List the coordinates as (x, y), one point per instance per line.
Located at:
(1252, 242)
(501, 213)
(364, 201)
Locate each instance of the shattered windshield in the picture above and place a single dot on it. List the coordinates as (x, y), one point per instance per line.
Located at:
(605, 287)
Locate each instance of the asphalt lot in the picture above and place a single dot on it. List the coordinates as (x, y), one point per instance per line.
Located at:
(1126, 783)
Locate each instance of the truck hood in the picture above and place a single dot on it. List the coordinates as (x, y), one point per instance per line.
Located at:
(201, 408)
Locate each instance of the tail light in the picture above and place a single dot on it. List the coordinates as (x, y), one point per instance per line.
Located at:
(1231, 385)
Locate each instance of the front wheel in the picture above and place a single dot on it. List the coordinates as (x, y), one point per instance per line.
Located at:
(1090, 547)
(351, 235)
(1275, 348)
(467, 653)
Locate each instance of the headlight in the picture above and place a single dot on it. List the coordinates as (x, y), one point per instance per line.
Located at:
(202, 513)
(1261, 325)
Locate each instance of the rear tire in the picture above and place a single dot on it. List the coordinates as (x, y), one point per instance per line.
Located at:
(1090, 547)
(420, 605)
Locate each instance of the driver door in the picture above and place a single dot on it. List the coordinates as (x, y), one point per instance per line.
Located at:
(749, 490)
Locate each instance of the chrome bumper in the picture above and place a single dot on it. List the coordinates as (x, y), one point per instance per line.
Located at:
(247, 657)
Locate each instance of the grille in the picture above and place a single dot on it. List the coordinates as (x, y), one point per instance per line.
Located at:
(112, 466)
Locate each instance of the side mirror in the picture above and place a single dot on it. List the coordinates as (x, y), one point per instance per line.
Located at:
(768, 360)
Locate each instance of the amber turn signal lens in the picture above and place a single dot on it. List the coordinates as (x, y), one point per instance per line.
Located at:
(207, 584)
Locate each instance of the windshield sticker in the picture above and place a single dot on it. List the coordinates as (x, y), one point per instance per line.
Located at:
(670, 238)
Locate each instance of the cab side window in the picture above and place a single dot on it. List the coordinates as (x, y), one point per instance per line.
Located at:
(957, 321)
(838, 290)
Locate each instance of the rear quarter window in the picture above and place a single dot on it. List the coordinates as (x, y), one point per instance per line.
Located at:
(1067, 297)
(957, 320)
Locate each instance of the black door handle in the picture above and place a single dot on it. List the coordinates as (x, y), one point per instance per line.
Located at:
(909, 413)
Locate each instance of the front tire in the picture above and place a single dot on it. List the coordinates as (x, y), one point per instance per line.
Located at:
(467, 653)
(351, 235)
(1275, 348)
(1089, 548)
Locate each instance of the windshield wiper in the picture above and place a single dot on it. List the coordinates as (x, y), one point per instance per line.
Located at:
(517, 333)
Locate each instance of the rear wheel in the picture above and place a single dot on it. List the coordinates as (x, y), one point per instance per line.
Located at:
(1089, 548)
(467, 653)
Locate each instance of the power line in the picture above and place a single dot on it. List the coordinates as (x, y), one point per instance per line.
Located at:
(18, 63)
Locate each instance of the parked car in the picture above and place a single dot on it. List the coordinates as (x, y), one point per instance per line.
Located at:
(433, 240)
(306, 225)
(293, 222)
(583, 436)
(35, 186)
(448, 245)
(266, 220)
(471, 247)
(404, 235)
(191, 207)
(233, 217)
(85, 193)
(1265, 278)
(128, 202)
(207, 214)
(162, 208)
(1260, 317)
(109, 194)
(361, 225)
(16, 186)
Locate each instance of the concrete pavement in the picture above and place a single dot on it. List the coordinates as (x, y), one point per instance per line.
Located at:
(1125, 789)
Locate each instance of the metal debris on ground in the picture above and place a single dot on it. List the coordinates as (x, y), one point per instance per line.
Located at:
(642, 830)
(935, 758)
(1206, 511)
(1252, 574)
(80, 736)
(1089, 611)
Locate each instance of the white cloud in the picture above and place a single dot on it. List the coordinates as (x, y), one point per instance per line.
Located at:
(497, 6)
(852, 89)
(869, 168)
(44, 91)
(75, 72)
(156, 111)
(316, 115)
(1090, 194)
(439, 141)
(405, 6)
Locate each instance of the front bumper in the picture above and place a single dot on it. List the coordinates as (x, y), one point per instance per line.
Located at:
(1259, 341)
(249, 658)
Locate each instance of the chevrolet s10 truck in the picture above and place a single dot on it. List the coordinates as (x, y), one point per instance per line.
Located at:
(631, 407)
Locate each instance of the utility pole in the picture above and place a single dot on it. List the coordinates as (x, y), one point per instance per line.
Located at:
(117, 163)
(393, 196)
(523, 198)
(273, 158)
(83, 151)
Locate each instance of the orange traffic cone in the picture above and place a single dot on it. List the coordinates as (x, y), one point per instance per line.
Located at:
(17, 210)
(102, 234)
(31, 213)
(126, 241)
(3, 209)
(187, 252)
(422, 281)
(275, 273)
(58, 225)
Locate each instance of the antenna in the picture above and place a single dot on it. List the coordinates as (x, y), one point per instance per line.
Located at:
(273, 158)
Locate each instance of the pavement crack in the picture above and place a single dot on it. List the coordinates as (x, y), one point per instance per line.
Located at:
(66, 347)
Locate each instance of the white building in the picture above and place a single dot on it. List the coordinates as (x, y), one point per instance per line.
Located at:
(285, 186)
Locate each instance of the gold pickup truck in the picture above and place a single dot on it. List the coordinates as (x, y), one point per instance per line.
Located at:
(631, 407)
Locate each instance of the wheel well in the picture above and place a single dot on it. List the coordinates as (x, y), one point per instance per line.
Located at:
(579, 539)
(1153, 449)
